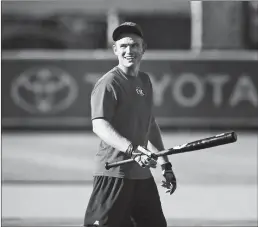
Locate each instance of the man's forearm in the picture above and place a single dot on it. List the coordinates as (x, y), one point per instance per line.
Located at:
(155, 143)
(161, 159)
(107, 133)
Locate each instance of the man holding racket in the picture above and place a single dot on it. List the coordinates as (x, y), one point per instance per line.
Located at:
(121, 109)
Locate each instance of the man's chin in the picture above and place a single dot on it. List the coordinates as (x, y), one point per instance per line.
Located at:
(129, 64)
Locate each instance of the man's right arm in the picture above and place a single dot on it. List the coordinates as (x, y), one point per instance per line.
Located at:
(103, 129)
(103, 104)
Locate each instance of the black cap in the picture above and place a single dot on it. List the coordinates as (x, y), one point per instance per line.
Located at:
(127, 27)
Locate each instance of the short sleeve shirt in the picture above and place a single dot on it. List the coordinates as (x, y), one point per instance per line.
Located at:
(126, 103)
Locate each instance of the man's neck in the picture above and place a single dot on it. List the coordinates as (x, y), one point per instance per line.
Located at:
(129, 71)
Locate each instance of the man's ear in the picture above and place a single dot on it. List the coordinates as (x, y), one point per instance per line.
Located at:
(144, 47)
(114, 48)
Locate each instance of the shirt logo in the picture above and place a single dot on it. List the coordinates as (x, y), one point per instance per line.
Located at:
(96, 223)
(139, 91)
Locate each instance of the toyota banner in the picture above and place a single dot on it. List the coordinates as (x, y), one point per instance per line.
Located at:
(55, 93)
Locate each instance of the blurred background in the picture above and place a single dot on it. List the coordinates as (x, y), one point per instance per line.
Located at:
(203, 62)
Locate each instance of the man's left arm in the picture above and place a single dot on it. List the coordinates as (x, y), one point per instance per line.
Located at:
(155, 144)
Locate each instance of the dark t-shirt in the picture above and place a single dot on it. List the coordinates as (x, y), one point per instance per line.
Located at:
(126, 103)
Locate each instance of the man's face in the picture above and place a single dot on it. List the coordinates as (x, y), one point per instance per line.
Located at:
(129, 49)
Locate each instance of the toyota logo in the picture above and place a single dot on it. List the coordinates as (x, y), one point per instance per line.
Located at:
(44, 90)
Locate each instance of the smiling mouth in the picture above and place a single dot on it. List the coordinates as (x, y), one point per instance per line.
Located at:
(129, 58)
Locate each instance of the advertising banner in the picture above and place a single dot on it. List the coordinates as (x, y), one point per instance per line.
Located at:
(55, 93)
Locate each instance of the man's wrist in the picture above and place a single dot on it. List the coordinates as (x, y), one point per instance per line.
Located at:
(166, 166)
(131, 148)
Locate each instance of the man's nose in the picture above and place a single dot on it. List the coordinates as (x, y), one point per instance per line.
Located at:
(128, 49)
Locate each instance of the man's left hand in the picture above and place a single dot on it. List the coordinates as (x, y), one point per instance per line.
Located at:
(170, 180)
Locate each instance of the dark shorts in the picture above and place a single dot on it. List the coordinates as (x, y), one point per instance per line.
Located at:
(119, 202)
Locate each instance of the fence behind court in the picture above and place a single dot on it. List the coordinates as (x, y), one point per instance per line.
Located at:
(51, 90)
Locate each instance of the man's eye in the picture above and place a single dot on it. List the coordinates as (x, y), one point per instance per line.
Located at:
(123, 46)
